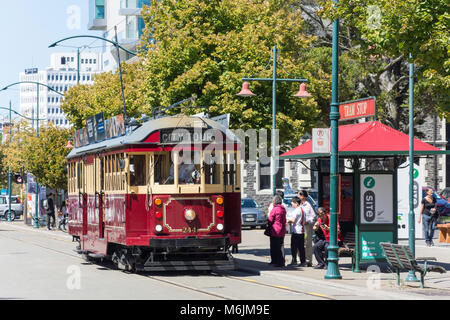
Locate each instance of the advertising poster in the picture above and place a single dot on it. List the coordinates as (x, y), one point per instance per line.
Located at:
(120, 125)
(85, 139)
(100, 127)
(403, 199)
(377, 199)
(112, 127)
(90, 129)
(107, 128)
(31, 198)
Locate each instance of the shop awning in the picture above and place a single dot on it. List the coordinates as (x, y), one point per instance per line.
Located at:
(367, 139)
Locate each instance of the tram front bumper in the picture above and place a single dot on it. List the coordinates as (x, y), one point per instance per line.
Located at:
(189, 243)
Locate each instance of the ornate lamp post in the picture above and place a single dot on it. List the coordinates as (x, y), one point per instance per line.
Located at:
(302, 93)
(333, 268)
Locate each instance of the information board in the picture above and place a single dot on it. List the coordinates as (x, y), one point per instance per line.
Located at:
(370, 244)
(376, 200)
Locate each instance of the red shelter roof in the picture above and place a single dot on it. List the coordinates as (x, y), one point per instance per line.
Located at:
(367, 138)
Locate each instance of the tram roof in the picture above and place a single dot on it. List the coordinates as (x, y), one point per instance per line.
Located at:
(139, 134)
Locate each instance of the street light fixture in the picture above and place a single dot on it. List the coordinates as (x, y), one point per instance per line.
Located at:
(36, 225)
(117, 45)
(245, 92)
(333, 258)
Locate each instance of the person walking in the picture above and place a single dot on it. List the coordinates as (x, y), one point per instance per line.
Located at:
(297, 220)
(310, 217)
(50, 211)
(277, 223)
(428, 214)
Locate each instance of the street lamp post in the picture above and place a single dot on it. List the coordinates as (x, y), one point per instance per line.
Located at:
(9, 169)
(412, 223)
(117, 45)
(245, 92)
(36, 224)
(333, 268)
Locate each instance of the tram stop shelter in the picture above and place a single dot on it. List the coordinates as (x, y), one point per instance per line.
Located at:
(372, 153)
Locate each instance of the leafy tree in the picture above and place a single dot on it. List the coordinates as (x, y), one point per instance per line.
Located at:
(386, 32)
(43, 156)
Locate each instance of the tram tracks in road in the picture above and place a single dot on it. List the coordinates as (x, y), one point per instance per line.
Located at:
(162, 279)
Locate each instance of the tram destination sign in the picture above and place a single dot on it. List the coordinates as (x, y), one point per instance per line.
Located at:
(357, 109)
(174, 136)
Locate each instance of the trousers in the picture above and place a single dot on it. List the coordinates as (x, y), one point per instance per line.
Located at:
(321, 252)
(51, 215)
(298, 247)
(277, 250)
(308, 242)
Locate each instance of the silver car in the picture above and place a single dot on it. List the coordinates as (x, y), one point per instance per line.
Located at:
(16, 207)
(252, 213)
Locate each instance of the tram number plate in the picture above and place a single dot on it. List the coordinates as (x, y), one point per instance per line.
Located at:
(249, 219)
(190, 230)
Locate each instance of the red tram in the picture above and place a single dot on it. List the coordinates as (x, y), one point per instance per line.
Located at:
(135, 200)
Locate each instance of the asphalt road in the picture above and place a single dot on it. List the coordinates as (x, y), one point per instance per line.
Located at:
(41, 264)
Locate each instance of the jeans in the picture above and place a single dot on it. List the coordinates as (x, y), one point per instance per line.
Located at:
(321, 252)
(429, 225)
(308, 241)
(48, 220)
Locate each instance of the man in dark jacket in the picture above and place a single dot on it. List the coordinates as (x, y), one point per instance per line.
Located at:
(50, 211)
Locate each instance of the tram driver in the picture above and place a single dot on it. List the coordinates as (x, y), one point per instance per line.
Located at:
(187, 173)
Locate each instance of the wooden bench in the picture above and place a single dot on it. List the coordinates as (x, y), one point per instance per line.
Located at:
(400, 258)
(444, 235)
(348, 247)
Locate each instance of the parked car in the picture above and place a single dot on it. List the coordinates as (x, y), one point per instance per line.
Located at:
(16, 207)
(252, 213)
(443, 206)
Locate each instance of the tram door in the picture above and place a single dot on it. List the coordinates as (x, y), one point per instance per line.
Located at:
(82, 195)
(99, 195)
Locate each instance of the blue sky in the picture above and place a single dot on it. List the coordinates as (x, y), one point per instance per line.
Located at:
(28, 28)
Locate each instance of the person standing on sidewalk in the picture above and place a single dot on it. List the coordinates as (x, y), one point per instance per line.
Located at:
(310, 216)
(50, 211)
(297, 219)
(428, 214)
(277, 222)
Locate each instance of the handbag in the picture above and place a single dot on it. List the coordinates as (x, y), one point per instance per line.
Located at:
(267, 230)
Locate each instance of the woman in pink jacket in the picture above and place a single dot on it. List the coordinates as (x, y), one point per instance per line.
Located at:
(277, 222)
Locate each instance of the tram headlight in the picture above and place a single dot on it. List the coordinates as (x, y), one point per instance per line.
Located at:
(158, 215)
(220, 214)
(220, 227)
(158, 228)
(189, 215)
(219, 200)
(158, 201)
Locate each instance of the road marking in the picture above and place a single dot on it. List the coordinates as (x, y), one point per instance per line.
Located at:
(249, 280)
(317, 294)
(282, 287)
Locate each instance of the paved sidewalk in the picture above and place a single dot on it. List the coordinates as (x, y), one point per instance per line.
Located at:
(254, 255)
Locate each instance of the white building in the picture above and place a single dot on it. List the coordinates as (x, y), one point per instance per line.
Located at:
(60, 76)
(105, 15)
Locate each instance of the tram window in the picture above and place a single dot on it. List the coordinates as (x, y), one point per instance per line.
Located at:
(189, 169)
(229, 169)
(162, 168)
(211, 168)
(137, 170)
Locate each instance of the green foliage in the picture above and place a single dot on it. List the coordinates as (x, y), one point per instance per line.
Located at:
(43, 156)
(397, 28)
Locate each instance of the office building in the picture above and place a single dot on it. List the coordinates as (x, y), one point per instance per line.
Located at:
(60, 76)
